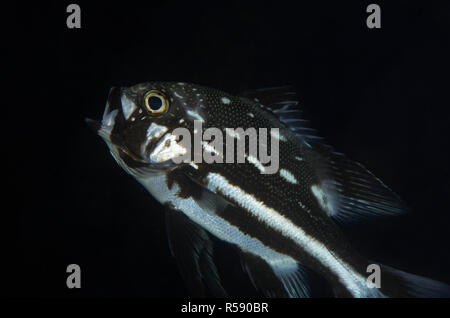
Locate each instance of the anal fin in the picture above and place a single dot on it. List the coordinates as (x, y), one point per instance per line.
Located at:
(288, 280)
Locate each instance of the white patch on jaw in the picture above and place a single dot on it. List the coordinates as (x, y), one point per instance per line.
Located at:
(276, 134)
(154, 131)
(195, 115)
(322, 198)
(225, 100)
(128, 107)
(256, 163)
(288, 176)
(167, 148)
(251, 115)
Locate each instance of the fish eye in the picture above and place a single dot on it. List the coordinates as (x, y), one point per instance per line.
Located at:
(155, 102)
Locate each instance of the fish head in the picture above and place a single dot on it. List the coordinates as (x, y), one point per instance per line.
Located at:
(139, 121)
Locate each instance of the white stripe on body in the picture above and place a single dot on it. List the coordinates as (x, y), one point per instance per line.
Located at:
(218, 226)
(354, 282)
(157, 186)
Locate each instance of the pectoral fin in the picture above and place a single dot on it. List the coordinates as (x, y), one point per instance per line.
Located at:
(193, 250)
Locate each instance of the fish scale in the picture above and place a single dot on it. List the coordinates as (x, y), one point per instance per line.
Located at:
(286, 224)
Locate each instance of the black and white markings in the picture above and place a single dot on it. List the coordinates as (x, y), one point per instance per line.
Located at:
(324, 199)
(352, 280)
(128, 107)
(287, 202)
(288, 176)
(225, 100)
(167, 148)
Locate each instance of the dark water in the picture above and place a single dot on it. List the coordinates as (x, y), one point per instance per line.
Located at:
(380, 96)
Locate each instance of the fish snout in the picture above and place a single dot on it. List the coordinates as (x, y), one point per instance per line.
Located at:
(112, 108)
(95, 125)
(113, 105)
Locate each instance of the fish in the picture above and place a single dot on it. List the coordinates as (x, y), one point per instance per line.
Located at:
(286, 225)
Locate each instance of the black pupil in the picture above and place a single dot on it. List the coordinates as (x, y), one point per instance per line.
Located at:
(155, 102)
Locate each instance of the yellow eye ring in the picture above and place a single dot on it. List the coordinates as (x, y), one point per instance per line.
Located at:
(155, 102)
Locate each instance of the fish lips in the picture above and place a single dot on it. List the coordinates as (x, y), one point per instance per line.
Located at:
(104, 128)
(114, 100)
(94, 125)
(113, 105)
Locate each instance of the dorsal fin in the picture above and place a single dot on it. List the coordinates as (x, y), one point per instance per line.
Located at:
(354, 192)
(273, 97)
(283, 102)
(351, 192)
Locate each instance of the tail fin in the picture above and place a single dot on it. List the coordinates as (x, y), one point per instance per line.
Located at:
(396, 283)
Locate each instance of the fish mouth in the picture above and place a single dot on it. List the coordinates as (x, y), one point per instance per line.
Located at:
(104, 129)
(113, 106)
(93, 124)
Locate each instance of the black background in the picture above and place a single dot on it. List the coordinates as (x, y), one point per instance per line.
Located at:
(380, 96)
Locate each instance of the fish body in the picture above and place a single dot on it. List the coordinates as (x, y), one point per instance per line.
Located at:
(286, 223)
